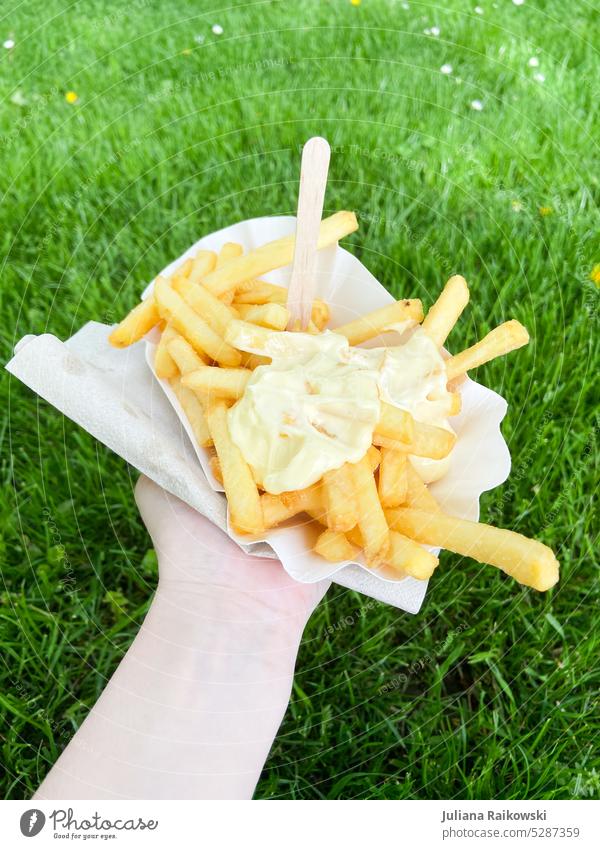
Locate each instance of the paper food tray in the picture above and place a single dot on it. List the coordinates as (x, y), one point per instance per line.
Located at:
(115, 397)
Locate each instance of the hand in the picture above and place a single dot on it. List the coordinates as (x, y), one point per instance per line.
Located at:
(196, 559)
(193, 708)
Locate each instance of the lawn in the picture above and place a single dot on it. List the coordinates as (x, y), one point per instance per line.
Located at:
(487, 167)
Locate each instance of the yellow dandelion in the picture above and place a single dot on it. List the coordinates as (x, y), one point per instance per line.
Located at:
(355, 2)
(71, 97)
(545, 211)
(595, 274)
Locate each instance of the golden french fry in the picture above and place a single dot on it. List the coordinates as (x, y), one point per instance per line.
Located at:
(335, 547)
(275, 254)
(320, 314)
(202, 264)
(405, 556)
(273, 316)
(429, 441)
(355, 537)
(184, 355)
(409, 557)
(215, 467)
(210, 309)
(395, 423)
(393, 481)
(374, 323)
(340, 498)
(418, 494)
(503, 339)
(164, 364)
(371, 520)
(252, 361)
(230, 250)
(193, 410)
(444, 314)
(374, 456)
(248, 337)
(278, 508)
(245, 510)
(182, 271)
(527, 561)
(220, 382)
(136, 324)
(193, 328)
(455, 404)
(260, 292)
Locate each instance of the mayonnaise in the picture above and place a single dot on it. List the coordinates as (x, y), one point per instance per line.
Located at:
(316, 405)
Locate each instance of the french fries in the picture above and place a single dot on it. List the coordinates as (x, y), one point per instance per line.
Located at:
(278, 508)
(182, 271)
(187, 322)
(223, 382)
(218, 319)
(253, 361)
(526, 560)
(184, 355)
(502, 340)
(245, 509)
(446, 311)
(164, 364)
(136, 324)
(340, 498)
(371, 519)
(247, 336)
(393, 478)
(211, 309)
(409, 557)
(260, 293)
(273, 316)
(202, 264)
(417, 493)
(335, 546)
(395, 424)
(275, 254)
(230, 250)
(376, 322)
(428, 441)
(193, 411)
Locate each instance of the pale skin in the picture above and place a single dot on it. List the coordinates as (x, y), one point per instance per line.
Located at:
(194, 707)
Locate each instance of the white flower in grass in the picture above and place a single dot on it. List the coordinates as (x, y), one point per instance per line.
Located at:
(534, 62)
(8, 44)
(477, 105)
(539, 78)
(446, 68)
(518, 2)
(435, 31)
(478, 10)
(217, 29)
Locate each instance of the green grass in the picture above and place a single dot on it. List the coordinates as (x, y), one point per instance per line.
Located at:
(492, 690)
